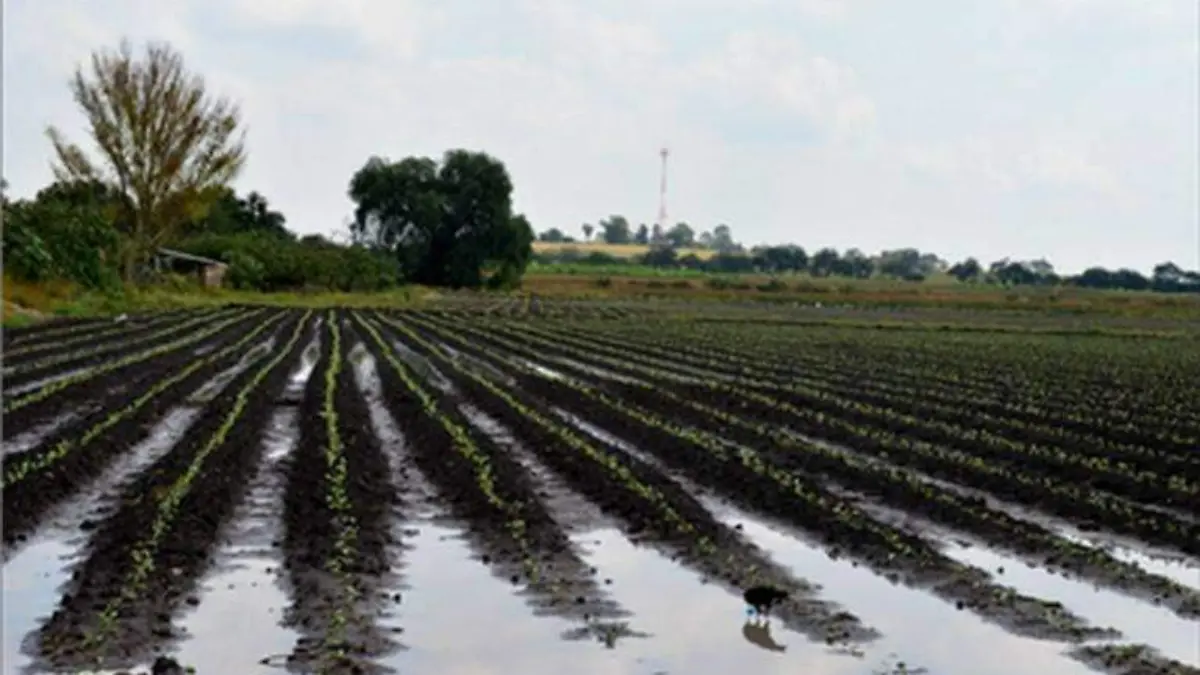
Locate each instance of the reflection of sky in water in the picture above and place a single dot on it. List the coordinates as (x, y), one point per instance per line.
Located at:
(1181, 570)
(459, 619)
(1139, 621)
(32, 579)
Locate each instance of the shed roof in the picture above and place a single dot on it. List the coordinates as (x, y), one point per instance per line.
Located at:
(172, 253)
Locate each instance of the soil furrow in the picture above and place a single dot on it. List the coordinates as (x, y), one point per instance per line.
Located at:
(542, 559)
(20, 375)
(86, 452)
(896, 389)
(736, 561)
(31, 409)
(311, 526)
(104, 338)
(104, 619)
(818, 419)
(969, 587)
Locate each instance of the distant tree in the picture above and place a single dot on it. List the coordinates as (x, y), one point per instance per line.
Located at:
(552, 235)
(642, 236)
(705, 239)
(776, 259)
(165, 144)
(824, 262)
(588, 229)
(901, 263)
(681, 235)
(854, 263)
(657, 235)
(661, 256)
(444, 223)
(967, 270)
(615, 230)
(722, 239)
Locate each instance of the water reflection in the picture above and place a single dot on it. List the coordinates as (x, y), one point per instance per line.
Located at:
(758, 633)
(32, 580)
(1139, 620)
(456, 617)
(918, 627)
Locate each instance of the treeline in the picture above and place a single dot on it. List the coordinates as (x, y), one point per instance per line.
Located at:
(75, 231)
(618, 230)
(901, 264)
(123, 216)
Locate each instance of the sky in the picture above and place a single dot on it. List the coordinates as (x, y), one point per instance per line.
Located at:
(1064, 129)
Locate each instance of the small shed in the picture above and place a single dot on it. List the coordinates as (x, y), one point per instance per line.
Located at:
(211, 273)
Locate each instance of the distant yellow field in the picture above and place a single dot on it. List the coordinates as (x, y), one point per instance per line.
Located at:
(615, 250)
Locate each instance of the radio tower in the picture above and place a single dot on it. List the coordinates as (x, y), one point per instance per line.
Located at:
(662, 191)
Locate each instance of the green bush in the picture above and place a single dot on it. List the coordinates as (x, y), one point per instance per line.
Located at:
(54, 240)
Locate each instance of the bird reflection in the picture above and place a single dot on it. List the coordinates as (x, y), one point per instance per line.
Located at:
(757, 632)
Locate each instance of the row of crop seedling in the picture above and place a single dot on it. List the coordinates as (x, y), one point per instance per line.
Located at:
(815, 505)
(464, 445)
(899, 386)
(928, 359)
(942, 462)
(56, 386)
(609, 462)
(104, 331)
(337, 498)
(51, 334)
(714, 446)
(172, 328)
(168, 501)
(948, 403)
(35, 461)
(818, 405)
(855, 472)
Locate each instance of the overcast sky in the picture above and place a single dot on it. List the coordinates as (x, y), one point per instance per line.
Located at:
(1022, 128)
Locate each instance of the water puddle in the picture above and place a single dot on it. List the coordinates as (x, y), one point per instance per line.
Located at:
(293, 393)
(35, 573)
(30, 439)
(63, 522)
(538, 368)
(236, 625)
(476, 364)
(32, 582)
(415, 491)
(960, 643)
(597, 371)
(604, 436)
(423, 367)
(11, 392)
(1140, 621)
(218, 383)
(569, 508)
(1172, 566)
(458, 618)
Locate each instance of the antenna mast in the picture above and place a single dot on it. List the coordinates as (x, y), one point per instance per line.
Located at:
(662, 191)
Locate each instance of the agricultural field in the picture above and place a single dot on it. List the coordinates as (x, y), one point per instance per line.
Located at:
(536, 486)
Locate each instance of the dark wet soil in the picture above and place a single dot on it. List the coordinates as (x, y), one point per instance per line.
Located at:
(139, 572)
(132, 620)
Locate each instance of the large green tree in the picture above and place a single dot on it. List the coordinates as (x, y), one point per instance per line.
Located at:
(231, 214)
(163, 141)
(447, 223)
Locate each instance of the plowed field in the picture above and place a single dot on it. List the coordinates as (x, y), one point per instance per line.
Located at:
(363, 465)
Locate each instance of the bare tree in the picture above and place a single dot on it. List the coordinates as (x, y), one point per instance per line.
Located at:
(163, 142)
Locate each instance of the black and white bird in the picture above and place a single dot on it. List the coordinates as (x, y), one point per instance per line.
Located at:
(763, 598)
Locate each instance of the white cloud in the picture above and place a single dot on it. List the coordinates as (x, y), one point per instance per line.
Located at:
(962, 128)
